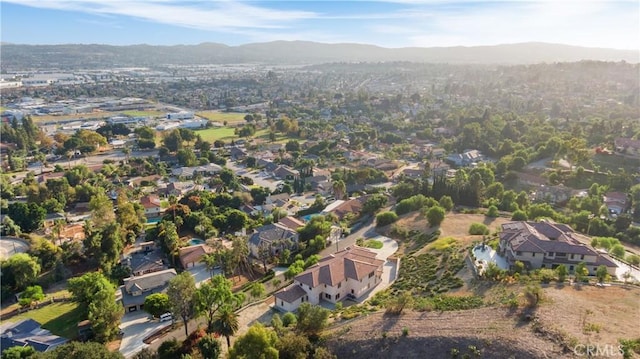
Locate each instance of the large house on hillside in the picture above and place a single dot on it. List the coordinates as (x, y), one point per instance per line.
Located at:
(28, 332)
(549, 245)
(275, 236)
(350, 272)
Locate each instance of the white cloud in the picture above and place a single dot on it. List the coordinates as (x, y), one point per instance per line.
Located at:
(212, 15)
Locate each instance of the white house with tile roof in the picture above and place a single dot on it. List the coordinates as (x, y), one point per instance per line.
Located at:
(353, 271)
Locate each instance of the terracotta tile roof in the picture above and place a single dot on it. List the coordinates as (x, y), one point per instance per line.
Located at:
(193, 254)
(291, 222)
(355, 263)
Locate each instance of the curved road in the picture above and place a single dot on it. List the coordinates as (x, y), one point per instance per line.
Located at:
(11, 245)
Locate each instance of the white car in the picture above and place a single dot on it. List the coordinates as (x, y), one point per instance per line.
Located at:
(166, 317)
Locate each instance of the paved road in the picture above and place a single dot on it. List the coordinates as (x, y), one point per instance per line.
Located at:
(10, 246)
(137, 326)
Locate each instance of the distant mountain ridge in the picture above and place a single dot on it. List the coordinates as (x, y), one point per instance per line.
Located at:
(15, 56)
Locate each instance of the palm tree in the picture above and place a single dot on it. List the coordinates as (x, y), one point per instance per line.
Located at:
(339, 189)
(58, 226)
(226, 323)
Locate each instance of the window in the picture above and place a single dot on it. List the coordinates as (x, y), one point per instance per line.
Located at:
(281, 303)
(371, 274)
(582, 256)
(301, 284)
(339, 284)
(542, 266)
(352, 291)
(327, 295)
(325, 285)
(518, 253)
(570, 267)
(337, 296)
(302, 300)
(551, 254)
(533, 254)
(572, 256)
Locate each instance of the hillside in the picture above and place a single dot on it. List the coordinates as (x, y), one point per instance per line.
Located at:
(70, 56)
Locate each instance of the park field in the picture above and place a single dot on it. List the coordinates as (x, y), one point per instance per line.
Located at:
(217, 133)
(217, 116)
(134, 113)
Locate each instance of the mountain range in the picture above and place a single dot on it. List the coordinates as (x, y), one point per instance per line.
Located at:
(16, 56)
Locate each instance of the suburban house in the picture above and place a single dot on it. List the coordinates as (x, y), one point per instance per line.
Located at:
(237, 153)
(351, 272)
(28, 332)
(616, 202)
(275, 236)
(552, 194)
(549, 245)
(627, 146)
(136, 289)
(286, 173)
(467, 158)
(205, 170)
(342, 208)
(143, 258)
(152, 206)
(192, 255)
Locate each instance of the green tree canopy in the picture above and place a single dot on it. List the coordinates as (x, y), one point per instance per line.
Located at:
(181, 292)
(258, 343)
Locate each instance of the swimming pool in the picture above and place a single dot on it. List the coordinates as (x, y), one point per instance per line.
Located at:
(195, 241)
(154, 220)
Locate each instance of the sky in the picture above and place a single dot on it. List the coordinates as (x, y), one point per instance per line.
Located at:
(386, 23)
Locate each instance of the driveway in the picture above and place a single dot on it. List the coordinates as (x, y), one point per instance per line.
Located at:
(137, 326)
(201, 274)
(389, 269)
(624, 268)
(11, 245)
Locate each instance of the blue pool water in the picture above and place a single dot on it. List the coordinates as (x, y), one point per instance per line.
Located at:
(195, 241)
(154, 220)
(307, 218)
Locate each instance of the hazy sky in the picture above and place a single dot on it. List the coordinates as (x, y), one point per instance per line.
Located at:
(393, 23)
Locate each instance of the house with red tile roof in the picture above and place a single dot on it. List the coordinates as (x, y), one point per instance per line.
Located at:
(351, 272)
(152, 205)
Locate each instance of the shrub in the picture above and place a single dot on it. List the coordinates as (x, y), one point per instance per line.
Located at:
(435, 215)
(386, 218)
(519, 216)
(405, 331)
(478, 228)
(493, 211)
(289, 319)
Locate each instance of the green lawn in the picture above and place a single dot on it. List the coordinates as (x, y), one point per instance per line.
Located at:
(230, 117)
(134, 113)
(60, 318)
(217, 133)
(372, 243)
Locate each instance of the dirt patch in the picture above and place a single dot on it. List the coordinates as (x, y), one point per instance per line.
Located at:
(610, 313)
(484, 332)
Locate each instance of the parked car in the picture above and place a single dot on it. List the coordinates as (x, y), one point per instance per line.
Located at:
(166, 317)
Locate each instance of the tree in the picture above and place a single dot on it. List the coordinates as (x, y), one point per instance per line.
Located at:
(312, 319)
(212, 296)
(519, 215)
(181, 292)
(562, 272)
(101, 208)
(492, 211)
(209, 347)
(169, 349)
(210, 261)
(80, 350)
(226, 323)
(446, 202)
(19, 271)
(104, 245)
(374, 203)
(28, 216)
(602, 274)
(18, 352)
(293, 346)
(618, 251)
(339, 189)
(435, 215)
(157, 304)
(257, 290)
(105, 314)
(258, 343)
(173, 141)
(292, 146)
(581, 272)
(386, 218)
(32, 294)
